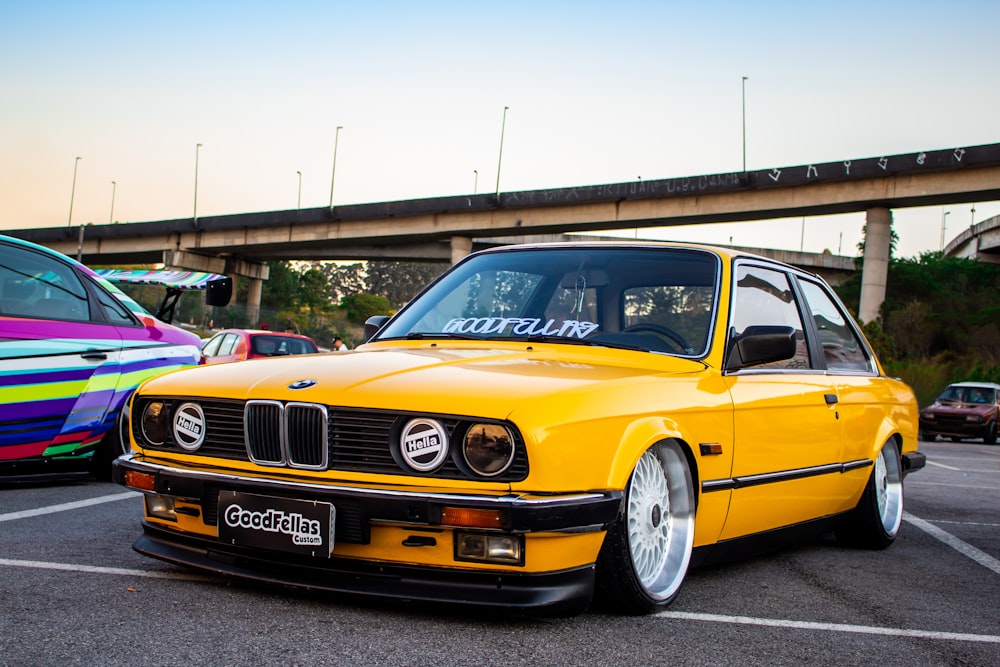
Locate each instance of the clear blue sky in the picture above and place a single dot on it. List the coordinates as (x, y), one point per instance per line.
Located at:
(598, 93)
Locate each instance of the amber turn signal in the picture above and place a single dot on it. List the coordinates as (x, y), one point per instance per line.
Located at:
(471, 518)
(140, 480)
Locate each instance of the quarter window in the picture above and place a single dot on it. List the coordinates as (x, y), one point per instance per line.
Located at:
(842, 349)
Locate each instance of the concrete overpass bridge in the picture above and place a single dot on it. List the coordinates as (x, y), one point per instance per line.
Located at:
(980, 241)
(445, 228)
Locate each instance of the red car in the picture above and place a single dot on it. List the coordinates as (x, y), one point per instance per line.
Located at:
(240, 344)
(964, 410)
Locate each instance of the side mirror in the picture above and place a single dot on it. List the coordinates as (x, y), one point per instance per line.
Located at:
(373, 324)
(761, 344)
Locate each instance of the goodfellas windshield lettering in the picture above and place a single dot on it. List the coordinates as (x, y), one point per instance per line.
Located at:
(520, 326)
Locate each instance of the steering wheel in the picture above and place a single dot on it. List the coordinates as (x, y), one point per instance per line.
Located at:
(663, 331)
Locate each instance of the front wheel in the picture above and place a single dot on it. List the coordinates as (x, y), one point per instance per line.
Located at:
(874, 522)
(990, 434)
(646, 552)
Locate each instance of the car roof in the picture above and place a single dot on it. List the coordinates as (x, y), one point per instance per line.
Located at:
(263, 332)
(727, 254)
(981, 385)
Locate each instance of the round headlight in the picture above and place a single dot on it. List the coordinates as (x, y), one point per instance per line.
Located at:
(488, 449)
(154, 422)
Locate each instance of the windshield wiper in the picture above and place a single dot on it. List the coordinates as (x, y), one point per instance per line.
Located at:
(420, 335)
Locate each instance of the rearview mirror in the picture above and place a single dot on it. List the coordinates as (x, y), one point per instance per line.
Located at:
(373, 324)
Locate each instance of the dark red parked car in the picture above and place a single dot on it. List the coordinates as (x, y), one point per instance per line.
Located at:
(965, 410)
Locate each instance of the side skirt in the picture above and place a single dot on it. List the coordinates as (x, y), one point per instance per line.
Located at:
(741, 548)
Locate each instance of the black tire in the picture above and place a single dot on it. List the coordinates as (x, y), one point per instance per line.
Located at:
(990, 435)
(875, 521)
(646, 552)
(110, 448)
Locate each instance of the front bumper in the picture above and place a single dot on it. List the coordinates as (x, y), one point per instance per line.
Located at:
(357, 509)
(913, 461)
(959, 429)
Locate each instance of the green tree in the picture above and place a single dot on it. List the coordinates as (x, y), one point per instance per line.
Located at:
(359, 307)
(401, 281)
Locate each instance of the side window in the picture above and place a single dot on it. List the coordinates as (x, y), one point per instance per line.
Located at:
(227, 345)
(764, 297)
(842, 349)
(211, 348)
(34, 285)
(115, 311)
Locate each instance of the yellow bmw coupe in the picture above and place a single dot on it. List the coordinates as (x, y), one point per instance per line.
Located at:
(541, 425)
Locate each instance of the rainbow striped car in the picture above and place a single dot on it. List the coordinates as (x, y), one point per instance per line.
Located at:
(73, 347)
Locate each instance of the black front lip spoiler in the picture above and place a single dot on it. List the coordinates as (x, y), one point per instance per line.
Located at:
(567, 591)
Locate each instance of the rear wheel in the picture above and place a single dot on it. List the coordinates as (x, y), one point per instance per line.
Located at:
(873, 524)
(646, 553)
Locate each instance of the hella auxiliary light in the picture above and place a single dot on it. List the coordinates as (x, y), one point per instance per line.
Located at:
(489, 548)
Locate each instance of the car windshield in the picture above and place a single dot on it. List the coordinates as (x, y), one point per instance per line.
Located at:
(654, 299)
(969, 395)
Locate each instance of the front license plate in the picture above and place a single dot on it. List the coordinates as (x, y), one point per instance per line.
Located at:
(280, 524)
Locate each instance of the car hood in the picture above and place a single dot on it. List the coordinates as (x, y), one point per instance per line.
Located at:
(487, 381)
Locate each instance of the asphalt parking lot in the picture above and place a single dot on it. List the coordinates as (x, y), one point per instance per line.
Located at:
(72, 591)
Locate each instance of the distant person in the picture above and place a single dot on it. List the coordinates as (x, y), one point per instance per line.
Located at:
(339, 345)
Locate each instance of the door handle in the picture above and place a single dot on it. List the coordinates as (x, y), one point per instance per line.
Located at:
(94, 356)
(831, 399)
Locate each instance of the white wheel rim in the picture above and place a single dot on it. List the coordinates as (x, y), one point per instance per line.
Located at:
(889, 489)
(660, 520)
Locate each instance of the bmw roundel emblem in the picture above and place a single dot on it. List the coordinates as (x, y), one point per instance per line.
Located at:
(302, 384)
(189, 426)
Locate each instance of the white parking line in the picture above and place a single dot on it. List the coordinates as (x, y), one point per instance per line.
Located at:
(71, 567)
(830, 627)
(954, 486)
(969, 523)
(10, 516)
(941, 465)
(958, 545)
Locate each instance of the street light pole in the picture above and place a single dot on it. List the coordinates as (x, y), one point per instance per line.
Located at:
(475, 183)
(300, 189)
(194, 216)
(72, 192)
(745, 123)
(336, 140)
(944, 216)
(111, 216)
(503, 127)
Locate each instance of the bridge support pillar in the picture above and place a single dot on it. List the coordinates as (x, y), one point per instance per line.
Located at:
(460, 247)
(256, 273)
(253, 301)
(875, 269)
